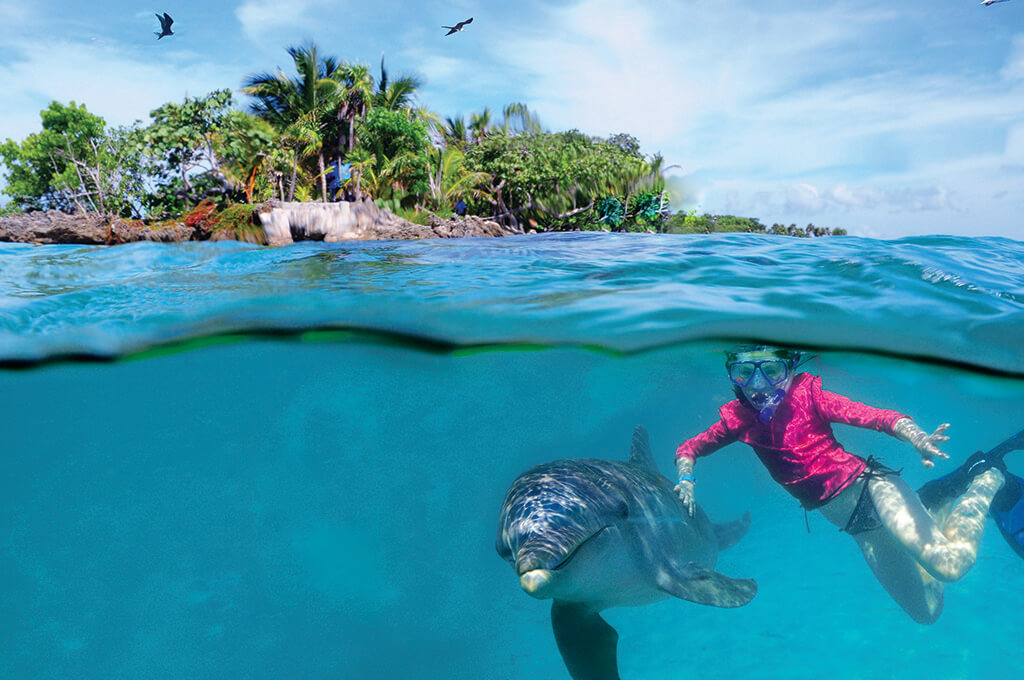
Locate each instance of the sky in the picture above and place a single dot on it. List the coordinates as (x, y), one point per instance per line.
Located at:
(887, 119)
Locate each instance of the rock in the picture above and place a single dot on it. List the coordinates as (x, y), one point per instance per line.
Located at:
(130, 232)
(342, 221)
(472, 225)
(361, 221)
(283, 223)
(53, 226)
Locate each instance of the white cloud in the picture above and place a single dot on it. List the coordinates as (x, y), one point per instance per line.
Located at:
(656, 69)
(1014, 68)
(113, 81)
(781, 112)
(1014, 154)
(968, 196)
(263, 20)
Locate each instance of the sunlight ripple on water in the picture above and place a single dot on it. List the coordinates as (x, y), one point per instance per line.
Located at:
(944, 298)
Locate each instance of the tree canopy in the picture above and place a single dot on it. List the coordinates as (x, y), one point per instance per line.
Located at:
(332, 118)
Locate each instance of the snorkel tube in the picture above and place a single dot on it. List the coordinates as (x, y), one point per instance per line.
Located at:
(767, 411)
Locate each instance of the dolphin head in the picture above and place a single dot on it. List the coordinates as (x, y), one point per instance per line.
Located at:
(549, 513)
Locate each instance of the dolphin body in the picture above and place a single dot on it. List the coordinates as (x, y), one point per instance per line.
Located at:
(593, 534)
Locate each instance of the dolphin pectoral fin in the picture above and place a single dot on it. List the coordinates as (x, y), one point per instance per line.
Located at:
(586, 641)
(730, 533)
(704, 586)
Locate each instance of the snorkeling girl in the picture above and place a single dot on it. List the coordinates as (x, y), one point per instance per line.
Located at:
(786, 418)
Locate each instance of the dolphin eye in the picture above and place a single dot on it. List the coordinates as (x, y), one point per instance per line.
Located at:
(623, 509)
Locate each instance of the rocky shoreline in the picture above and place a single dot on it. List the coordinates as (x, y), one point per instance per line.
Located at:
(279, 224)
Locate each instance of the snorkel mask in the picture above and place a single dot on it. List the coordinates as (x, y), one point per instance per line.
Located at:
(761, 376)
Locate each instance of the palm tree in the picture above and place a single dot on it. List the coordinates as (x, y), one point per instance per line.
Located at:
(393, 95)
(383, 177)
(304, 137)
(479, 124)
(362, 164)
(299, 107)
(357, 98)
(519, 118)
(455, 132)
(450, 181)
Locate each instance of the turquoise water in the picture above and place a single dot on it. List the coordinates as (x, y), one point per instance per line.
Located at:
(227, 461)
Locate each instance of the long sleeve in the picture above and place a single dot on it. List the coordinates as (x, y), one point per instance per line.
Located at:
(839, 409)
(707, 442)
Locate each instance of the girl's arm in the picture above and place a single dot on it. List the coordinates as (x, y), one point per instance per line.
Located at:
(836, 408)
(707, 442)
(684, 487)
(839, 409)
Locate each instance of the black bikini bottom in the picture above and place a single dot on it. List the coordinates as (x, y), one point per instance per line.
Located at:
(865, 516)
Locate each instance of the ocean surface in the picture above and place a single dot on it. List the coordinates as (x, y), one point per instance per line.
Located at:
(226, 461)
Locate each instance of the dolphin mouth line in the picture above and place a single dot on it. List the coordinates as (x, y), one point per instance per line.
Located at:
(568, 557)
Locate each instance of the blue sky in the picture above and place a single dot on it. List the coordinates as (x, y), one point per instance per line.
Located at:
(886, 118)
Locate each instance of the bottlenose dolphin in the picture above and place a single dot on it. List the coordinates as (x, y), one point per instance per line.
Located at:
(593, 534)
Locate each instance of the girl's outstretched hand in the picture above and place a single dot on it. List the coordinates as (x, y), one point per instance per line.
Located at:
(927, 445)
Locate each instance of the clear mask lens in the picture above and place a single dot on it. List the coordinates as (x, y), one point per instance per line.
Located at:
(775, 371)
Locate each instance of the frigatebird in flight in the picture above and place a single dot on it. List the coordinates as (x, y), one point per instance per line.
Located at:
(165, 25)
(458, 27)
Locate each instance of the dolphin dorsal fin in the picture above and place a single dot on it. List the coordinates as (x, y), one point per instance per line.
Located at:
(640, 452)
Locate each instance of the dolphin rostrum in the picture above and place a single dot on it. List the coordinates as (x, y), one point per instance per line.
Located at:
(593, 534)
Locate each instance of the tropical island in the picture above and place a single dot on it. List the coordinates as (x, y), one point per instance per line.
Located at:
(330, 153)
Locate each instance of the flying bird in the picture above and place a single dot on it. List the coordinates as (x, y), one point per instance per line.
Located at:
(165, 25)
(991, 2)
(458, 27)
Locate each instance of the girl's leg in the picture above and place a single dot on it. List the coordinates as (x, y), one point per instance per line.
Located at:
(946, 552)
(910, 586)
(917, 593)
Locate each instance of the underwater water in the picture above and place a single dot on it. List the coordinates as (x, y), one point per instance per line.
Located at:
(221, 460)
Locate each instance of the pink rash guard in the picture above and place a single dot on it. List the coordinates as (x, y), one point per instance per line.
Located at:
(797, 446)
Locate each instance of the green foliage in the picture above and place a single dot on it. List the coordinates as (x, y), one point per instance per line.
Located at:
(395, 206)
(628, 143)
(387, 133)
(395, 94)
(553, 178)
(647, 208)
(692, 223)
(245, 148)
(74, 164)
(190, 144)
(239, 222)
(398, 143)
(307, 113)
(610, 211)
(451, 180)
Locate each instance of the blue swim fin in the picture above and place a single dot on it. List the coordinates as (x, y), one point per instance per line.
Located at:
(1007, 510)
